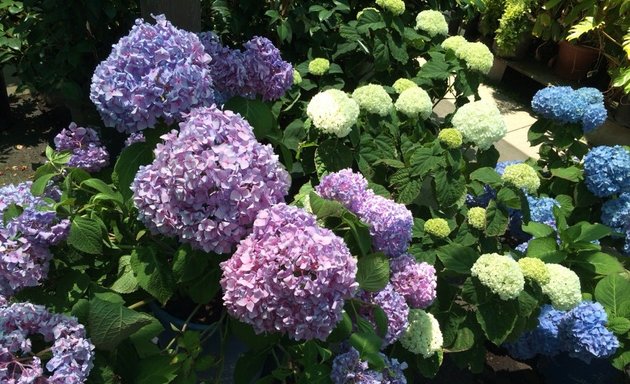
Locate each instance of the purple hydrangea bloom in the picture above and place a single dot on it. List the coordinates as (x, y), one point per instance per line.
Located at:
(268, 74)
(85, 146)
(19, 194)
(42, 227)
(3, 301)
(289, 275)
(344, 186)
(23, 263)
(155, 72)
(72, 354)
(227, 68)
(541, 210)
(394, 306)
(607, 170)
(136, 137)
(615, 212)
(348, 368)
(415, 281)
(208, 181)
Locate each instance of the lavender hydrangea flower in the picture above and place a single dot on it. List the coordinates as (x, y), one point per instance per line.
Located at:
(348, 368)
(344, 186)
(208, 181)
(607, 170)
(19, 194)
(268, 74)
(615, 212)
(23, 263)
(136, 137)
(395, 308)
(415, 281)
(289, 275)
(86, 148)
(72, 353)
(227, 67)
(155, 72)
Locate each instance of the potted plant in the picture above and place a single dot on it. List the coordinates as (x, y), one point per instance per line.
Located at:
(513, 36)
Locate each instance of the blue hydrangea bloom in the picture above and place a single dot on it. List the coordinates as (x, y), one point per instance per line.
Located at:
(626, 247)
(543, 339)
(590, 95)
(594, 116)
(482, 200)
(541, 210)
(501, 165)
(607, 170)
(565, 105)
(615, 212)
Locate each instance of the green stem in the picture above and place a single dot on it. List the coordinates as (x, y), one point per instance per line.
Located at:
(140, 303)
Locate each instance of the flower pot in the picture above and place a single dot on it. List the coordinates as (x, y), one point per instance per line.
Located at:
(574, 61)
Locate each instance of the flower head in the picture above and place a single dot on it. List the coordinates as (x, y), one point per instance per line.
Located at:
(332, 111)
(318, 66)
(437, 227)
(395, 308)
(501, 274)
(227, 67)
(535, 270)
(454, 42)
(543, 339)
(396, 7)
(415, 281)
(289, 275)
(208, 181)
(267, 74)
(432, 22)
(23, 262)
(373, 98)
(414, 102)
(155, 72)
(349, 368)
(541, 209)
(594, 116)
(85, 146)
(615, 212)
(451, 138)
(476, 217)
(563, 288)
(477, 56)
(297, 78)
(565, 105)
(522, 176)
(423, 336)
(345, 186)
(402, 84)
(607, 170)
(480, 122)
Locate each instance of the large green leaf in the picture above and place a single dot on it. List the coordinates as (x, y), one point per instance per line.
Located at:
(153, 273)
(457, 258)
(497, 319)
(497, 220)
(257, 114)
(110, 323)
(597, 262)
(332, 156)
(373, 272)
(156, 369)
(127, 165)
(613, 292)
(86, 235)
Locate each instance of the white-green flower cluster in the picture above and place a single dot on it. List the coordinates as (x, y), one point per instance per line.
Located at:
(402, 84)
(297, 78)
(437, 227)
(480, 123)
(432, 22)
(318, 66)
(454, 42)
(521, 176)
(332, 111)
(476, 55)
(450, 137)
(414, 102)
(563, 288)
(535, 269)
(423, 336)
(396, 7)
(501, 274)
(373, 98)
(477, 218)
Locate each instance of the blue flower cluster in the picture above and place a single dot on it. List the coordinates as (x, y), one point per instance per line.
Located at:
(581, 332)
(348, 368)
(565, 105)
(541, 210)
(615, 212)
(607, 170)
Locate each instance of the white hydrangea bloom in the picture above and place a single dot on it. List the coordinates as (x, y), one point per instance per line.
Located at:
(414, 102)
(501, 274)
(332, 111)
(432, 22)
(423, 336)
(454, 42)
(521, 176)
(480, 122)
(563, 288)
(373, 98)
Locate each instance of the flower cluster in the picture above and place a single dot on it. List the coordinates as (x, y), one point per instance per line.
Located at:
(565, 105)
(534, 269)
(476, 55)
(454, 42)
(607, 170)
(416, 282)
(72, 354)
(432, 22)
(476, 218)
(423, 336)
(501, 274)
(348, 368)
(414, 102)
(541, 209)
(543, 339)
(23, 263)
(563, 289)
(615, 212)
(402, 84)
(155, 72)
(332, 111)
(344, 186)
(451, 138)
(136, 137)
(395, 308)
(437, 227)
(480, 122)
(208, 181)
(396, 7)
(318, 66)
(521, 176)
(373, 98)
(85, 146)
(227, 67)
(289, 275)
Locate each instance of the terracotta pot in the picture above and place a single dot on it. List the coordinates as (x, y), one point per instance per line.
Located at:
(574, 61)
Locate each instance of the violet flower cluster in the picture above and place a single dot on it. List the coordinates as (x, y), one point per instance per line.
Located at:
(607, 170)
(155, 72)
(416, 282)
(389, 222)
(258, 70)
(85, 146)
(565, 105)
(348, 368)
(208, 181)
(395, 308)
(23, 262)
(581, 332)
(72, 353)
(289, 275)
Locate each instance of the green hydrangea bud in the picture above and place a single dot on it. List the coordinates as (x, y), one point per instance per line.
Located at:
(318, 66)
(297, 79)
(521, 176)
(396, 7)
(437, 227)
(403, 84)
(451, 137)
(477, 218)
(534, 269)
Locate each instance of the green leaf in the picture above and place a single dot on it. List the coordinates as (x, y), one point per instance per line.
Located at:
(587, 232)
(11, 212)
(369, 20)
(86, 235)
(127, 165)
(508, 198)
(497, 319)
(586, 25)
(332, 156)
(619, 325)
(487, 175)
(380, 318)
(156, 369)
(620, 362)
(153, 273)
(457, 258)
(249, 366)
(373, 272)
(546, 249)
(613, 292)
(464, 340)
(598, 262)
(435, 68)
(571, 173)
(368, 345)
(423, 161)
(497, 220)
(188, 265)
(391, 162)
(102, 187)
(342, 330)
(538, 229)
(110, 323)
(381, 55)
(39, 185)
(126, 282)
(409, 191)
(256, 112)
(449, 187)
(323, 208)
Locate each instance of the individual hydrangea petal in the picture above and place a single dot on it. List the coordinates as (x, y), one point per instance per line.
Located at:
(155, 72)
(615, 212)
(348, 368)
(414, 102)
(332, 111)
(501, 274)
(451, 138)
(437, 227)
(318, 66)
(535, 270)
(289, 275)
(345, 186)
(208, 181)
(395, 7)
(563, 288)
(607, 170)
(476, 218)
(432, 22)
(522, 176)
(373, 98)
(395, 308)
(402, 84)
(85, 146)
(480, 123)
(417, 282)
(423, 337)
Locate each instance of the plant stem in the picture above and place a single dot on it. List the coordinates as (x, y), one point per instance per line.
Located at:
(140, 303)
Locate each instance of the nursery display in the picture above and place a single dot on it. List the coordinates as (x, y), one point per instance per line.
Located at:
(287, 207)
